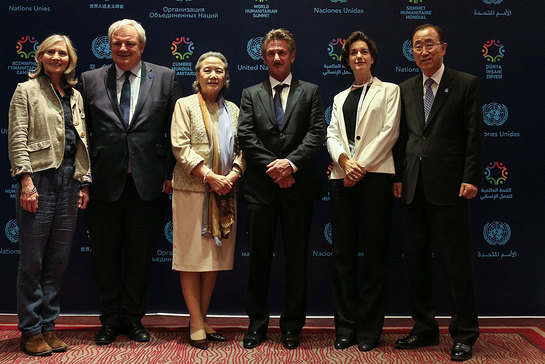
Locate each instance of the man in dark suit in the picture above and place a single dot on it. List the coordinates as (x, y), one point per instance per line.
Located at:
(438, 167)
(281, 127)
(129, 107)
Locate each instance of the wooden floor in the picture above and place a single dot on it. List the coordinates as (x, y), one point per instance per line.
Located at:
(168, 320)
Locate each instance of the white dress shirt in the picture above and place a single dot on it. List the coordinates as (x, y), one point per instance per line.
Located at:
(437, 76)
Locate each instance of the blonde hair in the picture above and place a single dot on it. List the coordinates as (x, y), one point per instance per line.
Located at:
(67, 78)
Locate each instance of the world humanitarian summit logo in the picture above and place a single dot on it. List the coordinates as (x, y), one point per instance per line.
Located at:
(495, 173)
(495, 113)
(496, 233)
(334, 48)
(328, 235)
(101, 47)
(254, 48)
(493, 51)
(27, 47)
(182, 47)
(168, 231)
(12, 231)
(408, 50)
(338, 1)
(492, 2)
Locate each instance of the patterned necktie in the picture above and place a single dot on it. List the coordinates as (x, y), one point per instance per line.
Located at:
(125, 101)
(278, 110)
(428, 98)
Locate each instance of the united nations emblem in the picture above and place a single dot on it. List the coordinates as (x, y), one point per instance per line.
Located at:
(327, 115)
(407, 49)
(12, 231)
(168, 231)
(496, 233)
(101, 47)
(254, 48)
(492, 2)
(495, 113)
(328, 235)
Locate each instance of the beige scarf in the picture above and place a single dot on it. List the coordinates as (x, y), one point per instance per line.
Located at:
(220, 210)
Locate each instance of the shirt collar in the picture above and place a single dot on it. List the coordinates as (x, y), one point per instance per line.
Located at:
(135, 71)
(437, 76)
(275, 82)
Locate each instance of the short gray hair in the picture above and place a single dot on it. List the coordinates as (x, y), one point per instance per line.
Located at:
(127, 22)
(221, 57)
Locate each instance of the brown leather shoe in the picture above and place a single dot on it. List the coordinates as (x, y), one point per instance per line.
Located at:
(35, 345)
(56, 344)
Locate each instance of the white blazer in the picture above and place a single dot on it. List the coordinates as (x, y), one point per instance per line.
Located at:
(376, 131)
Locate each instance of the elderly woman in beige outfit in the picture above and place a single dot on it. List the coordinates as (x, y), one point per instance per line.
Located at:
(208, 165)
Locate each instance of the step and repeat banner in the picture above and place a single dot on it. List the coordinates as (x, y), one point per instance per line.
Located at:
(497, 40)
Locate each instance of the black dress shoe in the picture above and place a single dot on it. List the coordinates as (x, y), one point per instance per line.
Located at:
(461, 352)
(215, 336)
(136, 332)
(252, 339)
(366, 346)
(199, 344)
(106, 335)
(414, 341)
(291, 340)
(343, 343)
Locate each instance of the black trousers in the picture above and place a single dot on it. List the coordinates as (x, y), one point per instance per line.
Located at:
(295, 219)
(360, 218)
(446, 230)
(123, 234)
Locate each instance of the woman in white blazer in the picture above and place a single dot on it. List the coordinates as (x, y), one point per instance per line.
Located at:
(363, 130)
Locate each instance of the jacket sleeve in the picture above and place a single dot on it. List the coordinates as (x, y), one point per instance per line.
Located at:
(254, 149)
(473, 120)
(180, 135)
(18, 133)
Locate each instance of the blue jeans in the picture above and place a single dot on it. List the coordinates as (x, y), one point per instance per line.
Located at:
(45, 240)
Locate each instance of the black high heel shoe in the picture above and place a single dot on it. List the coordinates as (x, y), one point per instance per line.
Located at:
(215, 336)
(199, 344)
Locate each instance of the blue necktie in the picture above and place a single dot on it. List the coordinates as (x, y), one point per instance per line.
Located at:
(125, 101)
(278, 110)
(428, 98)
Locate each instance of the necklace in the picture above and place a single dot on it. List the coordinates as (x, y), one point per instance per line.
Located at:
(363, 84)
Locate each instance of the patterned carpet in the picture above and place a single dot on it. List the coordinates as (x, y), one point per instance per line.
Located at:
(495, 345)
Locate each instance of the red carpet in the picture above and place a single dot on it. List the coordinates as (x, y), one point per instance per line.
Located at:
(498, 344)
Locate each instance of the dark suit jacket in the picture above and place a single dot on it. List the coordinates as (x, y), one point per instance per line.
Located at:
(144, 144)
(449, 147)
(262, 141)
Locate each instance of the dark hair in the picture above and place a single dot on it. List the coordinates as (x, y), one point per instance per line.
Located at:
(354, 37)
(278, 34)
(437, 28)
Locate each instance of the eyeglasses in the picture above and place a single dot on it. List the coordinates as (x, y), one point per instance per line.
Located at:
(428, 46)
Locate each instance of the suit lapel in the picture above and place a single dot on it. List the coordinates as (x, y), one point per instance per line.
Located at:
(293, 98)
(418, 102)
(368, 98)
(111, 90)
(265, 95)
(442, 94)
(146, 81)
